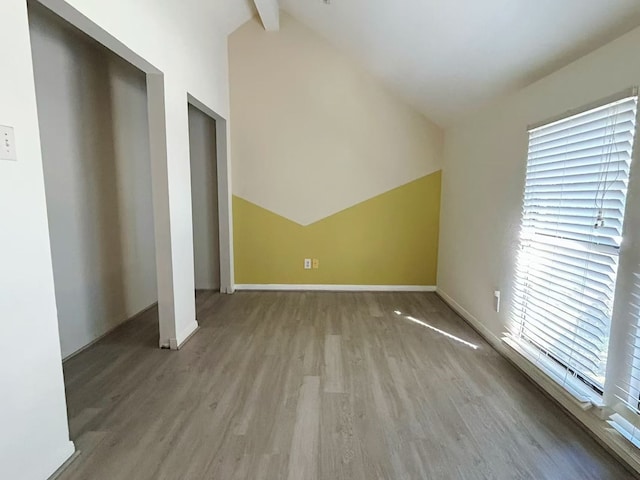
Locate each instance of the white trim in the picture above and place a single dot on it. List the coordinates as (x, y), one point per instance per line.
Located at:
(517, 355)
(548, 375)
(334, 288)
(269, 12)
(478, 326)
(624, 428)
(606, 436)
(178, 342)
(70, 459)
(225, 202)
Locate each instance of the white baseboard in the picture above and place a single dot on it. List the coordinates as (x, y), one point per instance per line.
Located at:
(184, 336)
(97, 339)
(334, 288)
(66, 458)
(476, 324)
(594, 426)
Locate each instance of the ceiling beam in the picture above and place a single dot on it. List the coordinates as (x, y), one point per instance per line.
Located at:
(269, 11)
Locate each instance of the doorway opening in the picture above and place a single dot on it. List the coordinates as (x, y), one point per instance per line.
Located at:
(107, 181)
(204, 200)
(203, 151)
(94, 130)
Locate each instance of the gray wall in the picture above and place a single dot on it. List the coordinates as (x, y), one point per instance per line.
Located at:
(204, 195)
(92, 110)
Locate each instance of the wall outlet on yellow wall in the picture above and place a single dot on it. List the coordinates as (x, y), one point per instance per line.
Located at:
(307, 264)
(316, 263)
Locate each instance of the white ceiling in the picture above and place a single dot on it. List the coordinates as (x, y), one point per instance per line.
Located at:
(447, 57)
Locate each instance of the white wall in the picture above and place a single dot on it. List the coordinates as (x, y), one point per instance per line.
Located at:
(484, 170)
(34, 438)
(186, 42)
(204, 194)
(184, 45)
(92, 110)
(483, 182)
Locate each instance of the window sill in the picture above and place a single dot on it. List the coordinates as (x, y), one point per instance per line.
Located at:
(545, 371)
(625, 428)
(593, 419)
(611, 431)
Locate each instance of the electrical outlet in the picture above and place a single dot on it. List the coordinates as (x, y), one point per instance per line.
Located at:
(307, 264)
(7, 143)
(316, 264)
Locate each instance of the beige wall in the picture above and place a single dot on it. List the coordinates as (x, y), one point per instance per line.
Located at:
(484, 171)
(312, 132)
(92, 110)
(482, 191)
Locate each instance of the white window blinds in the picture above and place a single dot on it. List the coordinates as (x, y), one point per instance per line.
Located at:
(574, 201)
(625, 379)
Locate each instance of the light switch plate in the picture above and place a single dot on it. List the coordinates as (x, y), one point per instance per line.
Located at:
(7, 143)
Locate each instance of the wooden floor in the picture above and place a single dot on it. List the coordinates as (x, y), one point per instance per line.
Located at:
(306, 386)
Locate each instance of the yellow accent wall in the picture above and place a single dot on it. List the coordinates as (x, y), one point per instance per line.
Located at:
(390, 239)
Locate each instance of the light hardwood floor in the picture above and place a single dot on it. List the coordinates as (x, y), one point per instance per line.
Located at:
(306, 386)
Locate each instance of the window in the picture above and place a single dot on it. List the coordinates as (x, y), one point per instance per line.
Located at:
(571, 232)
(623, 382)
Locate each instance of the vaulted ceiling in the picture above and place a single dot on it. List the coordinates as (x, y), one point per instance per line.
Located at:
(228, 15)
(448, 57)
